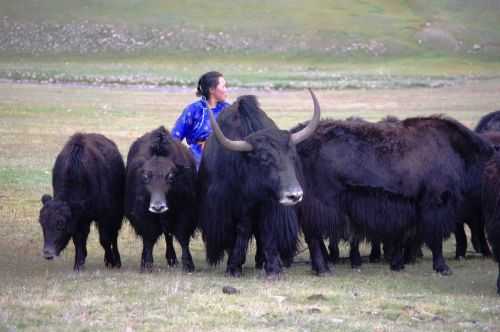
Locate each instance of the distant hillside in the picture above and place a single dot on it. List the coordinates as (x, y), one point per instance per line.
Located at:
(341, 28)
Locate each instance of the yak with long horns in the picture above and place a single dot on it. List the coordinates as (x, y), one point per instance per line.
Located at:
(249, 181)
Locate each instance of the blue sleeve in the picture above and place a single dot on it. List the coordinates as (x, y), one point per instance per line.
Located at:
(183, 124)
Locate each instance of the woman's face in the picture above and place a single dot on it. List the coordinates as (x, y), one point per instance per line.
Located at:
(219, 93)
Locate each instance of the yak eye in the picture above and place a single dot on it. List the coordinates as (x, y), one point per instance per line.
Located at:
(169, 177)
(146, 177)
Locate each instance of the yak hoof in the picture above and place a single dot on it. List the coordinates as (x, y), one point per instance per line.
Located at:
(172, 261)
(79, 268)
(374, 259)
(273, 276)
(233, 272)
(188, 267)
(355, 265)
(445, 272)
(147, 267)
(326, 273)
(460, 258)
(398, 267)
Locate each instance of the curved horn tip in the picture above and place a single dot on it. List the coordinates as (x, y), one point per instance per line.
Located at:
(308, 130)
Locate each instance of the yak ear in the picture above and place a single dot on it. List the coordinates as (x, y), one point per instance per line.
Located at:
(46, 198)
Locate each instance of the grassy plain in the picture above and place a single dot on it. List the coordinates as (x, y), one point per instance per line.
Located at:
(36, 120)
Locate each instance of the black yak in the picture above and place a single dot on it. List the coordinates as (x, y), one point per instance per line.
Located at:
(488, 128)
(160, 195)
(491, 208)
(385, 182)
(88, 185)
(249, 180)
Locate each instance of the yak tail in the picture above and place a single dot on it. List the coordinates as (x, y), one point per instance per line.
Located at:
(160, 141)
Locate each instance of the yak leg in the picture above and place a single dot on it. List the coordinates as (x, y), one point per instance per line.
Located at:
(375, 252)
(354, 254)
(259, 253)
(333, 247)
(318, 260)
(438, 261)
(461, 241)
(412, 248)
(147, 254)
(170, 254)
(410, 251)
(498, 280)
(397, 260)
(238, 253)
(479, 236)
(324, 251)
(116, 252)
(388, 249)
(186, 258)
(269, 241)
(114, 242)
(106, 238)
(80, 242)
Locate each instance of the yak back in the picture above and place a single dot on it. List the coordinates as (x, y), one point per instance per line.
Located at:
(89, 171)
(395, 156)
(489, 122)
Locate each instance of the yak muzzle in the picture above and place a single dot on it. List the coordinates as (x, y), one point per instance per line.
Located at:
(158, 203)
(49, 253)
(290, 198)
(158, 208)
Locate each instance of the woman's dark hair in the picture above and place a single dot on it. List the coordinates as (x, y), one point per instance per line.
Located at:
(207, 81)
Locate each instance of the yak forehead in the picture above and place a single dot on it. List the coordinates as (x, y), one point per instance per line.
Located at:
(158, 165)
(270, 139)
(54, 209)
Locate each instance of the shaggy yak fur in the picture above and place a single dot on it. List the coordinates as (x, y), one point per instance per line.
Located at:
(491, 208)
(88, 185)
(383, 181)
(250, 193)
(489, 129)
(160, 195)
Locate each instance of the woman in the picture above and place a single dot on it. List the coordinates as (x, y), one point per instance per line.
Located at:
(194, 122)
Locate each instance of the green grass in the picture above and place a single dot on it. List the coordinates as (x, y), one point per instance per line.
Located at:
(46, 295)
(282, 24)
(251, 71)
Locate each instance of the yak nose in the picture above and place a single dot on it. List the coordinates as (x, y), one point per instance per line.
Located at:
(292, 197)
(48, 253)
(158, 208)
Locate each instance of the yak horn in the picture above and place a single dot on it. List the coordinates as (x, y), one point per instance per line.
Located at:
(308, 130)
(231, 145)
